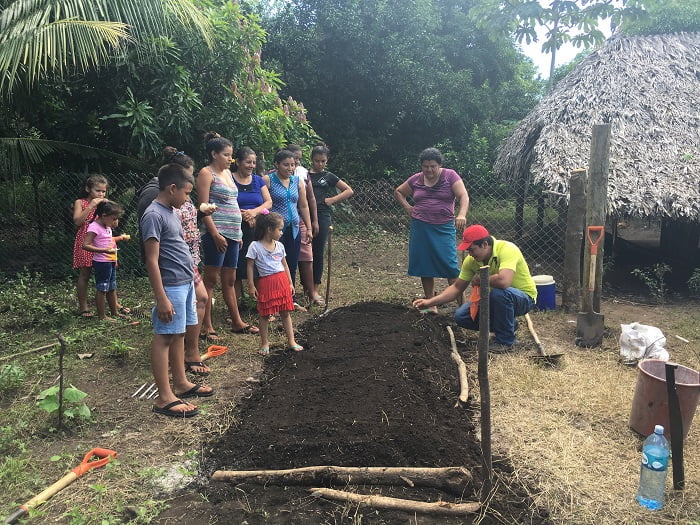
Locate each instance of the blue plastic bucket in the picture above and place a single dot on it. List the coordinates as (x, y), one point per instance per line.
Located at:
(546, 292)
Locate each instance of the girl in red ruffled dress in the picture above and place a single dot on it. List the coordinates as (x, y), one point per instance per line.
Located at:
(93, 192)
(274, 291)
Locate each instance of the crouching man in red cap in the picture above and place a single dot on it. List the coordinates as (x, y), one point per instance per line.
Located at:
(513, 291)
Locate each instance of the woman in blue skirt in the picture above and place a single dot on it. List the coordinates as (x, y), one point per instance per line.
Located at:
(432, 248)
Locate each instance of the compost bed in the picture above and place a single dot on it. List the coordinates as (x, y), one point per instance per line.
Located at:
(374, 387)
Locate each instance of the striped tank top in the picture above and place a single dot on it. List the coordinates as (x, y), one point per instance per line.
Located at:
(227, 217)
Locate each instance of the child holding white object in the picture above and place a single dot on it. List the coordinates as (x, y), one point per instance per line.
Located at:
(275, 290)
(103, 246)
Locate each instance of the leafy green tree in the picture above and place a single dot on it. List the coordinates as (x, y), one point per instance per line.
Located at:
(670, 16)
(574, 21)
(166, 89)
(47, 39)
(383, 80)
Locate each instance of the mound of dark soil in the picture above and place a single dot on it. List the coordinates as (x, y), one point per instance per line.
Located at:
(374, 387)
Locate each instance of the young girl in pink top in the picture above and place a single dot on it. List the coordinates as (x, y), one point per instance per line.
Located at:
(275, 290)
(99, 241)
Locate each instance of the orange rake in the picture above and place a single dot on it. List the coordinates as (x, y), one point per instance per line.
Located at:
(103, 456)
(213, 351)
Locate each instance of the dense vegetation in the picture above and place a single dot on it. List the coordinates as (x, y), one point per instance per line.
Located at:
(383, 80)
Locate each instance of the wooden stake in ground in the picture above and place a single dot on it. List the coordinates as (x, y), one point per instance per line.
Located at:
(461, 367)
(575, 219)
(484, 388)
(441, 508)
(453, 480)
(61, 353)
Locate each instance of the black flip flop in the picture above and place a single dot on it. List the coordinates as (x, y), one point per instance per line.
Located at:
(190, 364)
(210, 336)
(247, 329)
(167, 410)
(195, 392)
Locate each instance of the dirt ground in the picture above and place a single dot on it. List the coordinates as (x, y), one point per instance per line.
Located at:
(374, 387)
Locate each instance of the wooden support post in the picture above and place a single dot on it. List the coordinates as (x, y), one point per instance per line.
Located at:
(596, 202)
(461, 369)
(575, 218)
(453, 480)
(484, 389)
(440, 508)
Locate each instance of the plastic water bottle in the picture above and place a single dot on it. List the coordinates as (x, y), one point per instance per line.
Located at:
(652, 476)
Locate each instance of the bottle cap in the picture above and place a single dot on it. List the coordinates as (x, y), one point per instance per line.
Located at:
(658, 429)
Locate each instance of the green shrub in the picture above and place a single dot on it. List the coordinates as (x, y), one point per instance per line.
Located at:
(694, 282)
(26, 301)
(654, 278)
(73, 407)
(11, 378)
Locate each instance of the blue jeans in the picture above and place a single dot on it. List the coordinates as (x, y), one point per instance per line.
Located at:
(505, 306)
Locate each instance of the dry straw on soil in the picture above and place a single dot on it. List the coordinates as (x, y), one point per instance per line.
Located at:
(567, 429)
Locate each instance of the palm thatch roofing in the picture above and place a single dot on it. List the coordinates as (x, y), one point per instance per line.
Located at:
(648, 89)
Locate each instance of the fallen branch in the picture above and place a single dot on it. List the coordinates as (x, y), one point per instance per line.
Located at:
(461, 367)
(442, 508)
(453, 480)
(18, 354)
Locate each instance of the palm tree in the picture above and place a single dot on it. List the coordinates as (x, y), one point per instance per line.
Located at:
(39, 38)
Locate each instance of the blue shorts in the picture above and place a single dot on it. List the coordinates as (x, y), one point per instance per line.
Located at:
(105, 275)
(213, 257)
(184, 302)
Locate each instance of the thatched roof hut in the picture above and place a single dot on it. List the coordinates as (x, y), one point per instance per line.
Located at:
(648, 89)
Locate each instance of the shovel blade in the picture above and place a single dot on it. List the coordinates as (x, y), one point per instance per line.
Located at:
(590, 327)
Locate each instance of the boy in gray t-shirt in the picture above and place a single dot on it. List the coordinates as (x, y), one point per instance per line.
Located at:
(170, 271)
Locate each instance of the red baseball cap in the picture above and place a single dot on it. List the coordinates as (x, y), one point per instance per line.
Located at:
(475, 232)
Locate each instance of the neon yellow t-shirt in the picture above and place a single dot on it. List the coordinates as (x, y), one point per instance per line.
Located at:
(505, 255)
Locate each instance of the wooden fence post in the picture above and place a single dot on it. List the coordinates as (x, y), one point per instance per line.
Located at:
(596, 203)
(484, 388)
(575, 218)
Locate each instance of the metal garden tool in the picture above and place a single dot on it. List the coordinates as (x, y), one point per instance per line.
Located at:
(676, 422)
(590, 325)
(103, 457)
(542, 357)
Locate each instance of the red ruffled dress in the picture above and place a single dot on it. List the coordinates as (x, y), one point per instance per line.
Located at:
(82, 258)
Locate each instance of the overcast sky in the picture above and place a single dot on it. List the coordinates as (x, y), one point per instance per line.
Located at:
(565, 54)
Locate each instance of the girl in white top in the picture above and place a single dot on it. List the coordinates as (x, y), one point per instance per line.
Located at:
(274, 291)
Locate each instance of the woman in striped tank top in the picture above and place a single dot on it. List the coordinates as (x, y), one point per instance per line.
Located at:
(222, 237)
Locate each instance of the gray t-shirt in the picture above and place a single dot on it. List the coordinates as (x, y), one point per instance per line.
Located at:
(174, 259)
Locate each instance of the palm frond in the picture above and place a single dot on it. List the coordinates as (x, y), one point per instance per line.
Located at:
(18, 153)
(57, 46)
(41, 36)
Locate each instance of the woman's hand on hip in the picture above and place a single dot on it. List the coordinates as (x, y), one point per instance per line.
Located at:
(221, 242)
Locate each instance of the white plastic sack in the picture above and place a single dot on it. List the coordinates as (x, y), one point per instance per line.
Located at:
(640, 341)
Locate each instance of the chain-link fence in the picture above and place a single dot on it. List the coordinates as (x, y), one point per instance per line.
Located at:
(37, 231)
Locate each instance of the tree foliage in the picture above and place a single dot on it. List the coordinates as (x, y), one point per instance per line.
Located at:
(42, 37)
(574, 21)
(163, 88)
(669, 16)
(385, 79)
